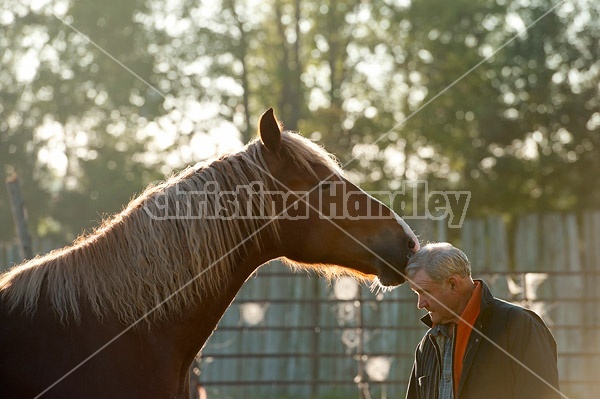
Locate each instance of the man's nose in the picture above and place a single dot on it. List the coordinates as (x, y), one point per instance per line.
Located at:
(422, 302)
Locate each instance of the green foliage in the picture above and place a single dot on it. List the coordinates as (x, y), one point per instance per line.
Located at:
(510, 128)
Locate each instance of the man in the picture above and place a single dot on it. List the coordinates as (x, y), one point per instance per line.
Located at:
(477, 346)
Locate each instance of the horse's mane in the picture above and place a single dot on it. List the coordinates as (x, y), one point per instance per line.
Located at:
(133, 262)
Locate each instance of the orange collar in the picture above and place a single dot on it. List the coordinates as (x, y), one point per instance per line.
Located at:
(469, 315)
(463, 331)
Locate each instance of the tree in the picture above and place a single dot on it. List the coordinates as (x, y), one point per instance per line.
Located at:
(75, 98)
(122, 93)
(507, 131)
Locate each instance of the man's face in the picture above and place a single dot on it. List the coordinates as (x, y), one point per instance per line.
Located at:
(437, 298)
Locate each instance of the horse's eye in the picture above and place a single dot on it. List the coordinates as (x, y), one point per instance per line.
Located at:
(326, 185)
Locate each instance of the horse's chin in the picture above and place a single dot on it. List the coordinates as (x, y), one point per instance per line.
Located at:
(389, 280)
(389, 275)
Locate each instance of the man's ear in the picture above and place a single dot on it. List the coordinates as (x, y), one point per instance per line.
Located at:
(269, 131)
(452, 282)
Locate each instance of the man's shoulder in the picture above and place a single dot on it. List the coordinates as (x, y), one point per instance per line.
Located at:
(514, 313)
(500, 305)
(505, 305)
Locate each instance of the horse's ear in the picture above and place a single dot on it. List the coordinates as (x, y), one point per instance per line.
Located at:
(269, 131)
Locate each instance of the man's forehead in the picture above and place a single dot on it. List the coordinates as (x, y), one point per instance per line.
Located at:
(420, 280)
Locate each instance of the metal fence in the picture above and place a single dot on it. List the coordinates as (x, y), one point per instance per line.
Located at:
(296, 336)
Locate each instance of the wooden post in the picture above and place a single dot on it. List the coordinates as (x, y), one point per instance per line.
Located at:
(19, 217)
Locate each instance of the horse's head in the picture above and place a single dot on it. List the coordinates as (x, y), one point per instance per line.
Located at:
(325, 219)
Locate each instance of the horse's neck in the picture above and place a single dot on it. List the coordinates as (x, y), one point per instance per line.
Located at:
(204, 316)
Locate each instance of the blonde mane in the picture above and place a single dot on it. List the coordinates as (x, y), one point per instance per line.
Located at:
(139, 258)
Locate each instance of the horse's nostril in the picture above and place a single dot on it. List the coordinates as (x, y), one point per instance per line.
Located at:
(411, 244)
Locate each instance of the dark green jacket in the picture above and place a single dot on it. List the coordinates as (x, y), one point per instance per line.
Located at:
(488, 372)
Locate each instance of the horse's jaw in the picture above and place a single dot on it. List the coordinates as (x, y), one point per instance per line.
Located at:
(390, 279)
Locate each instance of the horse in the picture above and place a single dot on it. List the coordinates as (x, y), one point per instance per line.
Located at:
(123, 310)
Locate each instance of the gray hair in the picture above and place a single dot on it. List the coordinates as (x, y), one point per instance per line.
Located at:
(440, 260)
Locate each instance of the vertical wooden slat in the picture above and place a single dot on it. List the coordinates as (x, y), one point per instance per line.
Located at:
(466, 239)
(567, 314)
(553, 254)
(526, 252)
(442, 230)
(479, 255)
(327, 341)
(498, 257)
(590, 289)
(591, 266)
(553, 238)
(302, 340)
(275, 367)
(390, 316)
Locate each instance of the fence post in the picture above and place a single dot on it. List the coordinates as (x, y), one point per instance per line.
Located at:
(19, 217)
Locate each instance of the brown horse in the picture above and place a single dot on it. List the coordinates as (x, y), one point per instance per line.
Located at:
(123, 311)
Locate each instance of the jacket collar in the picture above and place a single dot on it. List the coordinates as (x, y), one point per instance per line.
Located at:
(486, 300)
